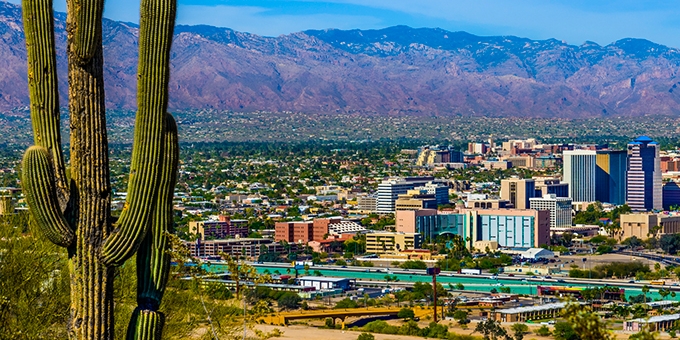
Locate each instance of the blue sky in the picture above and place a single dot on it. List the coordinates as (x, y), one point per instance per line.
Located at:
(574, 21)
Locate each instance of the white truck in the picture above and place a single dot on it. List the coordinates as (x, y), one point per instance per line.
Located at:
(467, 271)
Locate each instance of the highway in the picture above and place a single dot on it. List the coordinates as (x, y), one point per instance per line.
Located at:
(420, 276)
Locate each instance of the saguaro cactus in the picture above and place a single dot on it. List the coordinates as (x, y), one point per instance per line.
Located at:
(75, 212)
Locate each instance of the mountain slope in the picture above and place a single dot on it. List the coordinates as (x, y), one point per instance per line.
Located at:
(396, 70)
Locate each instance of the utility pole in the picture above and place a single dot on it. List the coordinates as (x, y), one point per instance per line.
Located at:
(434, 271)
(245, 325)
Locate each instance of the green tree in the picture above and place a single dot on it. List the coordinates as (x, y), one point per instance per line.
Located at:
(645, 290)
(365, 336)
(409, 328)
(519, 330)
(491, 330)
(565, 331)
(670, 243)
(346, 303)
(586, 324)
(289, 300)
(461, 317)
(413, 264)
(543, 331)
(406, 313)
(34, 289)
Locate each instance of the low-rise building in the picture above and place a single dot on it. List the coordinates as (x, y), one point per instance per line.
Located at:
(367, 203)
(221, 229)
(326, 283)
(248, 247)
(640, 225)
(385, 242)
(523, 314)
(653, 324)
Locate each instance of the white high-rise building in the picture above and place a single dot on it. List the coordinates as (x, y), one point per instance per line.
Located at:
(580, 172)
(559, 207)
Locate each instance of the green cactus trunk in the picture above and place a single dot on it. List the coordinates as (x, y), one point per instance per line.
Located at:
(76, 213)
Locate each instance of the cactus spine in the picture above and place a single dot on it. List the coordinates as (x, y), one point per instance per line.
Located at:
(75, 212)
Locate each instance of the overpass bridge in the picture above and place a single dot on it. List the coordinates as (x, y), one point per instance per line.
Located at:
(342, 314)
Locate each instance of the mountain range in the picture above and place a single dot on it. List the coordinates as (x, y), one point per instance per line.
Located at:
(393, 71)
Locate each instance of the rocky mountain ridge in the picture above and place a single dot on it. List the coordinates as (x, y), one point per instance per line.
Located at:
(396, 70)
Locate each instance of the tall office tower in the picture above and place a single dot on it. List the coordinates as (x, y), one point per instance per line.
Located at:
(610, 176)
(644, 175)
(390, 189)
(518, 191)
(579, 172)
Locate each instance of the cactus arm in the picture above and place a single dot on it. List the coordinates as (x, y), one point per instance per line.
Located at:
(87, 32)
(157, 21)
(43, 88)
(153, 260)
(41, 195)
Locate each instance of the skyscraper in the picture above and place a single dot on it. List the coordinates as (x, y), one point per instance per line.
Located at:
(644, 175)
(579, 172)
(518, 191)
(610, 176)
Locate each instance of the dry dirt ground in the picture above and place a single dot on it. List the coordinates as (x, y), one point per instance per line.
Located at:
(594, 260)
(302, 332)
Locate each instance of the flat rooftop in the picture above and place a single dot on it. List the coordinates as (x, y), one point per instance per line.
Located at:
(658, 318)
(547, 306)
(323, 278)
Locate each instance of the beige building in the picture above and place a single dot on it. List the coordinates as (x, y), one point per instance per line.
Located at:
(405, 220)
(639, 225)
(521, 161)
(415, 199)
(488, 204)
(518, 191)
(367, 203)
(382, 243)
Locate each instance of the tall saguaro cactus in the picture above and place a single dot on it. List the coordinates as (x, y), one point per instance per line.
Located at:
(75, 212)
